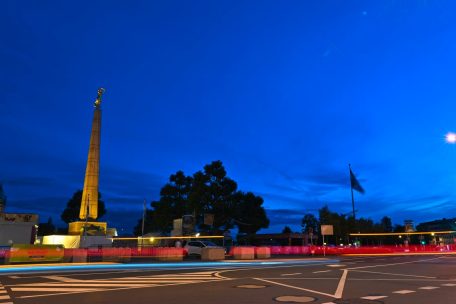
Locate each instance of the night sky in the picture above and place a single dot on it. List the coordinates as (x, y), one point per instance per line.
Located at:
(284, 93)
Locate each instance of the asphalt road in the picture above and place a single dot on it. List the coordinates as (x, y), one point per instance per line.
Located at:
(390, 279)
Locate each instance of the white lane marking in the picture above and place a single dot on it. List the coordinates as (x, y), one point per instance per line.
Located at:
(321, 271)
(58, 289)
(101, 290)
(294, 287)
(251, 286)
(340, 287)
(374, 297)
(290, 274)
(79, 272)
(335, 265)
(389, 279)
(4, 295)
(132, 282)
(294, 299)
(337, 294)
(301, 278)
(395, 274)
(429, 287)
(449, 284)
(88, 284)
(64, 285)
(61, 279)
(272, 267)
(405, 291)
(159, 277)
(394, 264)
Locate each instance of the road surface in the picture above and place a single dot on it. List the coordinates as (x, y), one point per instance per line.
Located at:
(382, 279)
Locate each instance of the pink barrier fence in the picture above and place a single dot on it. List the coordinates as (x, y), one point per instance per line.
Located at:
(170, 252)
(319, 250)
(127, 252)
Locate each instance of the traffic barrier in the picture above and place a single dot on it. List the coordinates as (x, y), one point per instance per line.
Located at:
(169, 254)
(244, 253)
(262, 252)
(76, 255)
(212, 254)
(25, 253)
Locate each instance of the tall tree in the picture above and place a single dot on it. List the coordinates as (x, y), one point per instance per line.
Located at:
(386, 224)
(251, 215)
(218, 196)
(46, 228)
(2, 199)
(209, 191)
(309, 223)
(71, 212)
(286, 229)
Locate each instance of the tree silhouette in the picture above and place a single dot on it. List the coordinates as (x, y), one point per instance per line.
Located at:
(286, 229)
(2, 199)
(46, 228)
(71, 212)
(209, 191)
(309, 223)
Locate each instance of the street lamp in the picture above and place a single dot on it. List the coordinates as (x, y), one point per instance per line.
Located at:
(450, 138)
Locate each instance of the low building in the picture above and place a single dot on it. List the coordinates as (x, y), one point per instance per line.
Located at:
(18, 228)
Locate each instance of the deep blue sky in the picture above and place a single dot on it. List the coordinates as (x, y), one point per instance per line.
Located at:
(285, 93)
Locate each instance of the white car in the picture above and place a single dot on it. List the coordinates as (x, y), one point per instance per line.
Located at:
(194, 247)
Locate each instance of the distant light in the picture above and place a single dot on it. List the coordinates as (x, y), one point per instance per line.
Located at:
(450, 138)
(151, 239)
(432, 233)
(400, 236)
(197, 235)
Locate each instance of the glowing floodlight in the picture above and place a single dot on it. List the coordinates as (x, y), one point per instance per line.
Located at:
(450, 138)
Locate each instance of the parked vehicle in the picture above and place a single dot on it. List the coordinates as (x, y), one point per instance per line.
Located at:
(195, 247)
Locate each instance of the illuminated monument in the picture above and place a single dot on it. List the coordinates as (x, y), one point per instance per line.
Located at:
(89, 204)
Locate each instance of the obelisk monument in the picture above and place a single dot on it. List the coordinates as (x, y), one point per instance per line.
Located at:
(89, 203)
(90, 192)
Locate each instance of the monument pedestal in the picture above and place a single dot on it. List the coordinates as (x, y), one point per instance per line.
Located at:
(91, 228)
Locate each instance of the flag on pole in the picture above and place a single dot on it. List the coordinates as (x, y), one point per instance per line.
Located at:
(354, 183)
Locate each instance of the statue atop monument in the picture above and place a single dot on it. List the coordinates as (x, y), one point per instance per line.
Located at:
(97, 102)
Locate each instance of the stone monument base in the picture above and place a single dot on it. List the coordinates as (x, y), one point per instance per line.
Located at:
(91, 228)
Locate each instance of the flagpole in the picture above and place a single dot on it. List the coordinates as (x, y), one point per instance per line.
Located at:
(351, 188)
(142, 226)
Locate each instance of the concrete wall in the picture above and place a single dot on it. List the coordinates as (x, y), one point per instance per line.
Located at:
(15, 233)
